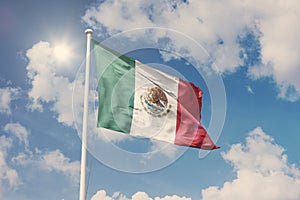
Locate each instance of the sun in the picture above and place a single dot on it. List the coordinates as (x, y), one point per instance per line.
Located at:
(62, 53)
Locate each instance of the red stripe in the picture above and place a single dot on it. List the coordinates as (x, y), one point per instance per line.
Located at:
(189, 131)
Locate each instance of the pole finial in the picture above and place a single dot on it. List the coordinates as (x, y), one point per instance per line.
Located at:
(88, 31)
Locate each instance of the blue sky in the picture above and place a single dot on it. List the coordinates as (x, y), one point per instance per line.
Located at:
(250, 48)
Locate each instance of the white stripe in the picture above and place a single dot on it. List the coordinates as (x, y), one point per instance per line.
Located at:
(144, 124)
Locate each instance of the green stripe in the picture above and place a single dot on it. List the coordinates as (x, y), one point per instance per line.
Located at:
(115, 88)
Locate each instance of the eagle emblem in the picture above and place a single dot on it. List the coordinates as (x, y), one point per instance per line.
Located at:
(155, 102)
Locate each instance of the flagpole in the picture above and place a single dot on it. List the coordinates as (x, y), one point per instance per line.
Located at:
(82, 192)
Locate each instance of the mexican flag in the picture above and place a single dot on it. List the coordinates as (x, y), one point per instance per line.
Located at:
(142, 101)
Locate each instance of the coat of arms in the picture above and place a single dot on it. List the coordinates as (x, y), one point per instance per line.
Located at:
(155, 102)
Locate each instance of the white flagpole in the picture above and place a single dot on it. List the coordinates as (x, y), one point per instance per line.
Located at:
(82, 193)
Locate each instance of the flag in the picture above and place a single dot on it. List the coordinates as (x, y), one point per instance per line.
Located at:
(142, 101)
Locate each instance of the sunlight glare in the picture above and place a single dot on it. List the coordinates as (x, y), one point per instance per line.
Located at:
(62, 53)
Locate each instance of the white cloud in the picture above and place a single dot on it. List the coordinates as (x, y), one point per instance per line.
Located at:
(263, 172)
(174, 197)
(280, 44)
(56, 161)
(50, 82)
(52, 161)
(101, 194)
(9, 178)
(168, 150)
(7, 95)
(216, 25)
(19, 131)
(192, 19)
(5, 142)
(140, 196)
(249, 89)
(45, 160)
